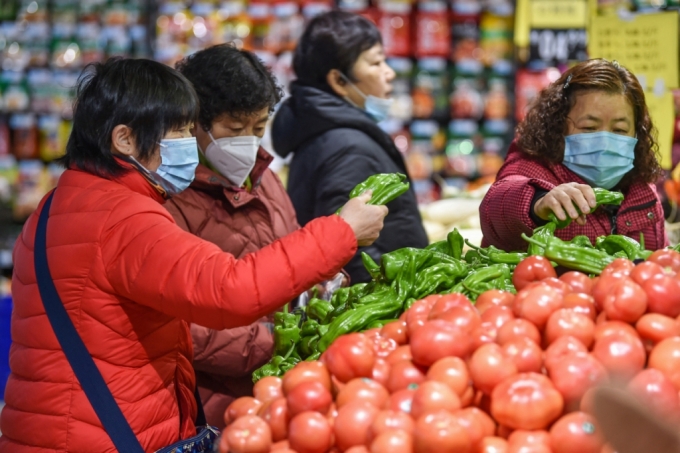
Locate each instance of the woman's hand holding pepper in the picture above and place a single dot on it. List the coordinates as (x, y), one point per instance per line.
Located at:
(563, 200)
(365, 220)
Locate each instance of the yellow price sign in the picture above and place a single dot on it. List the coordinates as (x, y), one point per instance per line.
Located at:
(558, 14)
(662, 111)
(646, 44)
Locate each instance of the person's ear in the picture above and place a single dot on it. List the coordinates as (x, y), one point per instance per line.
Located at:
(337, 83)
(123, 141)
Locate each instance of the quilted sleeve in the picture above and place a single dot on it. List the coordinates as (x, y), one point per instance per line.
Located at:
(150, 260)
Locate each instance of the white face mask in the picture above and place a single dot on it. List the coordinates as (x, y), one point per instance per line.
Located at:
(233, 157)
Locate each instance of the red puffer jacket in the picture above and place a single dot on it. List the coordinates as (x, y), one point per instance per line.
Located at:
(131, 280)
(238, 222)
(504, 212)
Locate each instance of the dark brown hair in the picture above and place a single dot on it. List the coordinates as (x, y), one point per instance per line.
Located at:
(541, 134)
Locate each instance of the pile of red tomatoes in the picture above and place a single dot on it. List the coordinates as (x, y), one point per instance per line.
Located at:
(511, 374)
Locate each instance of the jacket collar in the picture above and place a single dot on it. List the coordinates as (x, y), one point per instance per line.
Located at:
(138, 181)
(211, 181)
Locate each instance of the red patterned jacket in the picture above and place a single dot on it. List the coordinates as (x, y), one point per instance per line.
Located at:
(504, 212)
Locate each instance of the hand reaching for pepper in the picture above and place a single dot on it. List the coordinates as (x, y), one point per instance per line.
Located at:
(365, 220)
(563, 200)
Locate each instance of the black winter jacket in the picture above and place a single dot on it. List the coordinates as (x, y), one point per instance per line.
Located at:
(336, 146)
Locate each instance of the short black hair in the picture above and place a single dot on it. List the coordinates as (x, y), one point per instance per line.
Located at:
(148, 97)
(229, 80)
(332, 40)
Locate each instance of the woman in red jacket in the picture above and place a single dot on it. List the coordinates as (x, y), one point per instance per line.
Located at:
(235, 202)
(590, 128)
(131, 280)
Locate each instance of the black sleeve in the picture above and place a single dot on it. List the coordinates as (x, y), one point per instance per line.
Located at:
(537, 196)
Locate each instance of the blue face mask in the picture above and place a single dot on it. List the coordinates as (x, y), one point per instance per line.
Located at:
(378, 108)
(179, 159)
(601, 158)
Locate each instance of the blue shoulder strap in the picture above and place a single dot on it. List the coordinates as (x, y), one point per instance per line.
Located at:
(85, 369)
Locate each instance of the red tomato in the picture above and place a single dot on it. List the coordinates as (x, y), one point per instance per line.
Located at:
(431, 396)
(561, 348)
(574, 375)
(350, 356)
(451, 371)
(277, 417)
(565, 322)
(526, 401)
(438, 339)
(304, 372)
(465, 319)
(663, 295)
(485, 421)
(248, 434)
(395, 441)
(489, 365)
(309, 396)
(403, 374)
(448, 302)
(626, 301)
(523, 441)
(472, 426)
(401, 400)
(440, 432)
(403, 352)
(576, 432)
(268, 389)
(498, 315)
(417, 315)
(395, 330)
(383, 347)
(614, 328)
(381, 371)
(245, 405)
(580, 303)
(484, 334)
(621, 355)
(372, 334)
(525, 354)
(518, 328)
(601, 289)
(666, 258)
(363, 389)
(665, 357)
(532, 269)
(493, 445)
(555, 283)
(352, 424)
(657, 392)
(389, 420)
(356, 449)
(537, 304)
(620, 267)
(468, 396)
(309, 432)
(579, 282)
(281, 446)
(655, 327)
(492, 298)
(644, 271)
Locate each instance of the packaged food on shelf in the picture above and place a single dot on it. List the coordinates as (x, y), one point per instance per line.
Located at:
(24, 135)
(430, 89)
(395, 27)
(432, 33)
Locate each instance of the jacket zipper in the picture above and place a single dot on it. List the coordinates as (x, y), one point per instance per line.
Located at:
(632, 208)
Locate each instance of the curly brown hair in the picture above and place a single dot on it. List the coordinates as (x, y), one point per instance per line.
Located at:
(541, 134)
